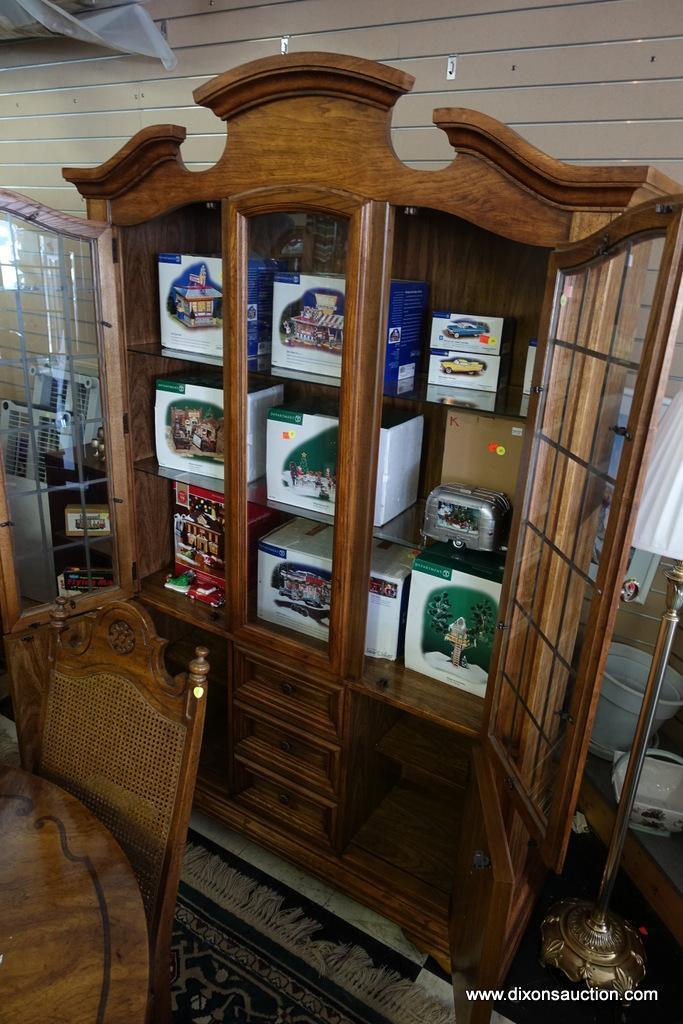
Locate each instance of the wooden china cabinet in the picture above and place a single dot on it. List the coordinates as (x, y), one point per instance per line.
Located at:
(435, 806)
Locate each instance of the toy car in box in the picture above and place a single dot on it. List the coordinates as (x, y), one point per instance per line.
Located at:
(471, 517)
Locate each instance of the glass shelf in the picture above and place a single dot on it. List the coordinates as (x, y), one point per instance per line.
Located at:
(509, 401)
(151, 466)
(153, 348)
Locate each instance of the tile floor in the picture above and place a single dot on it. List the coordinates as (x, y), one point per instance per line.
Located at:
(428, 973)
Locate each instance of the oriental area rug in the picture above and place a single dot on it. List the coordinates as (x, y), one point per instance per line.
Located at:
(248, 948)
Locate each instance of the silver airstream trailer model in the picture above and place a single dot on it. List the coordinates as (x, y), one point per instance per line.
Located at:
(471, 517)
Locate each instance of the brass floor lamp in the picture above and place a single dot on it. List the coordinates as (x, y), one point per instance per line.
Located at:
(586, 940)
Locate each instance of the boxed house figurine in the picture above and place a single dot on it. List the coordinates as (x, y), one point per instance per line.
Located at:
(191, 302)
(308, 325)
(199, 532)
(470, 351)
(308, 322)
(452, 615)
(188, 418)
(302, 460)
(295, 584)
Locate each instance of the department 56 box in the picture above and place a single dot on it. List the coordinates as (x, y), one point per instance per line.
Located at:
(188, 417)
(308, 324)
(191, 302)
(388, 599)
(260, 304)
(407, 307)
(452, 615)
(302, 460)
(295, 584)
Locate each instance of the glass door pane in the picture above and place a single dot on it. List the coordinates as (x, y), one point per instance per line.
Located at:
(595, 346)
(295, 334)
(52, 416)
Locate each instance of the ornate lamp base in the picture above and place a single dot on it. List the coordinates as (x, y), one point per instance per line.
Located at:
(606, 954)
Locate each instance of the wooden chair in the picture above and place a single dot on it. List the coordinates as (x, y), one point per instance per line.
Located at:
(122, 735)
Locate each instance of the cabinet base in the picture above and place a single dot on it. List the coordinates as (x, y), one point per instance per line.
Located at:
(414, 906)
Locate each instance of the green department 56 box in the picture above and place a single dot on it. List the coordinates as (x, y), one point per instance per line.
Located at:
(452, 615)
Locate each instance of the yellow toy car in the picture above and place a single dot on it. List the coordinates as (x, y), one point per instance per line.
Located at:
(462, 365)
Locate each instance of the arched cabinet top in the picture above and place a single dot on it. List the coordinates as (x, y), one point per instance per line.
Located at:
(569, 185)
(303, 74)
(325, 119)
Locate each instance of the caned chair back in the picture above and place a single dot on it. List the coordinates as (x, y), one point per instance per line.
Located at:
(123, 736)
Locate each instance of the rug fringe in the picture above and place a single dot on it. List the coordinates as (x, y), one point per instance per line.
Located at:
(399, 999)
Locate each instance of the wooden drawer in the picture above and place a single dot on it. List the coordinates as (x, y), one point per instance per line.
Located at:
(285, 807)
(310, 705)
(313, 764)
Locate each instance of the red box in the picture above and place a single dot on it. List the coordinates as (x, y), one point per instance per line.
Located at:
(199, 532)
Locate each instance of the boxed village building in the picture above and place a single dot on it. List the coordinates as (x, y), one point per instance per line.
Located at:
(308, 325)
(191, 302)
(452, 615)
(188, 417)
(302, 460)
(295, 585)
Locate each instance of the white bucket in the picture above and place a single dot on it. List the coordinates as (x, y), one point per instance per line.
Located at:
(621, 697)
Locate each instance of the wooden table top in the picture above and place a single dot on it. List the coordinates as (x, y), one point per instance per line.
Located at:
(73, 935)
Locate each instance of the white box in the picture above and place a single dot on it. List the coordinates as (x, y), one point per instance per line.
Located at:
(191, 302)
(295, 576)
(308, 322)
(302, 461)
(468, 332)
(450, 368)
(388, 599)
(295, 584)
(452, 615)
(529, 367)
(188, 419)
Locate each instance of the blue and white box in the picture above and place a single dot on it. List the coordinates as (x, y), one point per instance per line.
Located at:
(260, 273)
(191, 302)
(407, 308)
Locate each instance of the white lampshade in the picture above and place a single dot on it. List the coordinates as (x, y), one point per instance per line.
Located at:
(659, 528)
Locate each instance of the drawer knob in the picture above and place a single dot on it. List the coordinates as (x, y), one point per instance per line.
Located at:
(283, 798)
(287, 688)
(285, 745)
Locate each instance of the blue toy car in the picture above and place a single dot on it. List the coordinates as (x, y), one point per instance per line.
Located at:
(464, 328)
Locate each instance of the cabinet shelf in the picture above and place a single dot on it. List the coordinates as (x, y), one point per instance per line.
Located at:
(202, 616)
(396, 833)
(424, 747)
(422, 696)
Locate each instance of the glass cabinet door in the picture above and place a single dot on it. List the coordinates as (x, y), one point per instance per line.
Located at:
(60, 473)
(299, 333)
(603, 375)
